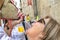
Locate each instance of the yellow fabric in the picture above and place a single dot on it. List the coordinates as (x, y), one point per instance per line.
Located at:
(27, 18)
(37, 18)
(20, 29)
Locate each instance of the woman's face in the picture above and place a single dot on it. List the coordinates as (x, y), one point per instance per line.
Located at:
(38, 24)
(36, 30)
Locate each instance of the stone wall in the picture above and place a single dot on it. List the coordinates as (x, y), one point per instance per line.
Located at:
(49, 8)
(27, 9)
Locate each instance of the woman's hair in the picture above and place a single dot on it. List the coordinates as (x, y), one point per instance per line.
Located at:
(50, 27)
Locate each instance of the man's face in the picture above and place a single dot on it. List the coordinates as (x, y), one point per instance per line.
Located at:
(7, 29)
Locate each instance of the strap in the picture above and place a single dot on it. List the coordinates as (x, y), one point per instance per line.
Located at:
(25, 29)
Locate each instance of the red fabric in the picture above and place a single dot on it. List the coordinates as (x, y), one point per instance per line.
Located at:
(29, 2)
(12, 1)
(20, 15)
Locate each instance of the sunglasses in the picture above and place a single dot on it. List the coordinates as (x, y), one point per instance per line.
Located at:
(41, 21)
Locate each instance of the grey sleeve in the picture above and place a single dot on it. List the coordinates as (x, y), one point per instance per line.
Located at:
(27, 25)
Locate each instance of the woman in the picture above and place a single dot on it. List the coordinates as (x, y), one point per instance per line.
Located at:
(36, 31)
